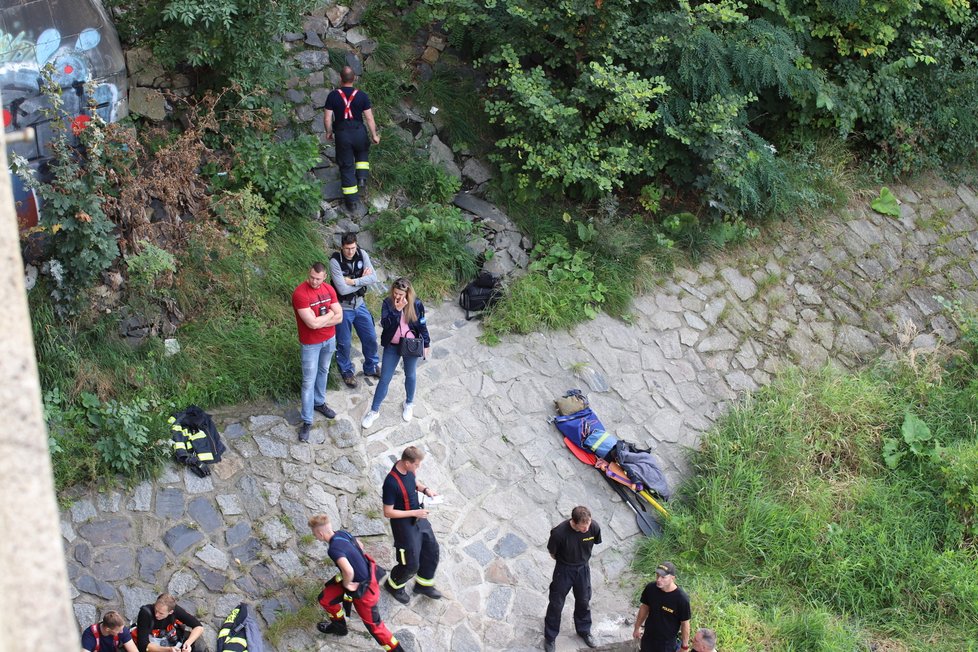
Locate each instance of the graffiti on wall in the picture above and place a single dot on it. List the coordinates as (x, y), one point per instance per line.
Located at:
(78, 41)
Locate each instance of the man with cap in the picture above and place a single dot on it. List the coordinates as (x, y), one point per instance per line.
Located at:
(705, 640)
(664, 612)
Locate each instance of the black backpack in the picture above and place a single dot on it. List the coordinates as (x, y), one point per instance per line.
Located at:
(481, 294)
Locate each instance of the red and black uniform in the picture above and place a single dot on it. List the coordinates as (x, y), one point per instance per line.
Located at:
(415, 546)
(336, 600)
(167, 632)
(352, 142)
(93, 640)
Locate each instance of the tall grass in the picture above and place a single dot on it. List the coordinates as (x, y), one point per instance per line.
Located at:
(239, 344)
(793, 534)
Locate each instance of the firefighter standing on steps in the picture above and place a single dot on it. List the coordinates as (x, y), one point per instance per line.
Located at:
(349, 115)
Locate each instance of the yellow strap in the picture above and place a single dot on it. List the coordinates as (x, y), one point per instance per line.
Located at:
(597, 444)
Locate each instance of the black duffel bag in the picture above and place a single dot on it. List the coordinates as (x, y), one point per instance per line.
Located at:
(481, 294)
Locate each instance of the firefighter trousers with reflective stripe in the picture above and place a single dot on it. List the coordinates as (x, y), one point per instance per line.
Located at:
(336, 600)
(416, 552)
(352, 154)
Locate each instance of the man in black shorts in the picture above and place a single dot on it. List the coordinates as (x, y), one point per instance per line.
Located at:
(570, 545)
(664, 612)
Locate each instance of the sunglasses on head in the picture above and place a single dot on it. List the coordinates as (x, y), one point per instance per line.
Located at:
(402, 284)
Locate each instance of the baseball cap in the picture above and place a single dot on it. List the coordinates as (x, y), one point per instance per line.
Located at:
(665, 568)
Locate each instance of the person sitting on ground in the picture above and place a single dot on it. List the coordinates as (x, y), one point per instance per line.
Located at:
(163, 627)
(110, 635)
(705, 640)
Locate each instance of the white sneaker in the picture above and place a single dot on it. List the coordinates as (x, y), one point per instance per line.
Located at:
(408, 411)
(369, 418)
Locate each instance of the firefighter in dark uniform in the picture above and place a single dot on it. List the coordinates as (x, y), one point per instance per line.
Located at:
(415, 546)
(349, 115)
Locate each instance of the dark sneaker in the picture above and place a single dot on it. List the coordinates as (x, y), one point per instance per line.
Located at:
(350, 381)
(335, 627)
(588, 640)
(372, 374)
(428, 591)
(399, 594)
(304, 431)
(325, 411)
(549, 646)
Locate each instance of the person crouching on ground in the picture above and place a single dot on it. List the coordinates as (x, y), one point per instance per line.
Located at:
(356, 583)
(401, 318)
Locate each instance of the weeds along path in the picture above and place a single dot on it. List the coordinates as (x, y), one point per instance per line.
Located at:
(709, 335)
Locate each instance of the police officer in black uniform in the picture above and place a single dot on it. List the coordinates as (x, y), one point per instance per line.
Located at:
(570, 544)
(348, 112)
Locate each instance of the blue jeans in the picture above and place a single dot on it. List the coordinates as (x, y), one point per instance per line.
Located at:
(360, 319)
(391, 358)
(315, 369)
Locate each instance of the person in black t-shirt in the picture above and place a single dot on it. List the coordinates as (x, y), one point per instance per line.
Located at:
(664, 612)
(415, 546)
(570, 545)
(348, 110)
(162, 627)
(356, 584)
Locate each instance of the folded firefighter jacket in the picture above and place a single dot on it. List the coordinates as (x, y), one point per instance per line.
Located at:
(195, 438)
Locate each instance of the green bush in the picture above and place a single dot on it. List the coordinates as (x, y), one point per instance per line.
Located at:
(228, 41)
(127, 437)
(280, 171)
(80, 235)
(247, 217)
(560, 290)
(431, 240)
(148, 266)
(594, 96)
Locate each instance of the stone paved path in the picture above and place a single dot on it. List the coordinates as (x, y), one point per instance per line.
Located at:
(709, 334)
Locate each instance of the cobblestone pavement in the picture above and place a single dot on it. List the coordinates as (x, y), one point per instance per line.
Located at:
(709, 334)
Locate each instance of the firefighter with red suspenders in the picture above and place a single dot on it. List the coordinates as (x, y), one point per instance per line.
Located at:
(110, 635)
(348, 115)
(415, 546)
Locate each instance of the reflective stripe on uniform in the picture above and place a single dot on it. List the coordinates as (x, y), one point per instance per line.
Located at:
(350, 190)
(348, 110)
(395, 585)
(363, 165)
(423, 582)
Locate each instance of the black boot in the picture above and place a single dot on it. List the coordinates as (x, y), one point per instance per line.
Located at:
(335, 627)
(355, 208)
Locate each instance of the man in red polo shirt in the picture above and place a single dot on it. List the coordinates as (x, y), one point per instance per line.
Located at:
(317, 311)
